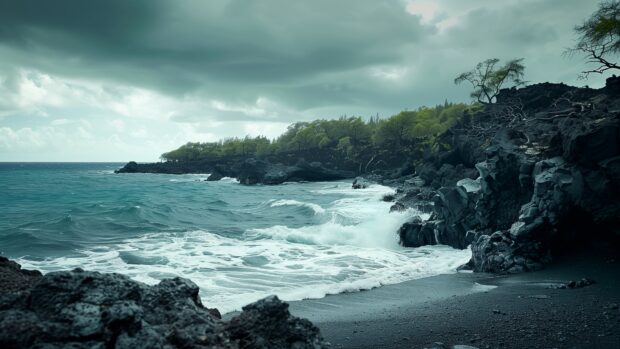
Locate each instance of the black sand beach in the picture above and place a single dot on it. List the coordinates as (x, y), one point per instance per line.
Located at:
(523, 311)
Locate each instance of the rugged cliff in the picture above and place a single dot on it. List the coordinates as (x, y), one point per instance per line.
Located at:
(546, 179)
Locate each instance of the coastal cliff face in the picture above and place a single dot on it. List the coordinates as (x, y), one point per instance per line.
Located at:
(547, 159)
(81, 309)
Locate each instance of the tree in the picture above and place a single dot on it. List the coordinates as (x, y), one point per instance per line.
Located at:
(306, 138)
(599, 38)
(487, 80)
(344, 145)
(395, 131)
(347, 139)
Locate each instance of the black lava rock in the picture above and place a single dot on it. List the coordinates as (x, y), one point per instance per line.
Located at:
(80, 309)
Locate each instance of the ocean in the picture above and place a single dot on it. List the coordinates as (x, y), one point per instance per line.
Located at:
(238, 243)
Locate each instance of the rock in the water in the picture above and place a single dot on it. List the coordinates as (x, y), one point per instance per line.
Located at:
(398, 207)
(388, 197)
(130, 167)
(80, 309)
(417, 233)
(360, 183)
(215, 176)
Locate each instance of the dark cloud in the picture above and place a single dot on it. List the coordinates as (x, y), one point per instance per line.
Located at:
(178, 46)
(265, 62)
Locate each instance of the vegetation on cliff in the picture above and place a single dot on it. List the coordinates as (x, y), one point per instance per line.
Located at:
(356, 144)
(599, 38)
(350, 137)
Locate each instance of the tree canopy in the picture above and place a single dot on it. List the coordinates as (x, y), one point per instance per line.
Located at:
(487, 79)
(599, 38)
(351, 137)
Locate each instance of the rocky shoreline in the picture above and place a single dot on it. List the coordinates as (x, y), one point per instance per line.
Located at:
(247, 171)
(82, 309)
(523, 179)
(532, 176)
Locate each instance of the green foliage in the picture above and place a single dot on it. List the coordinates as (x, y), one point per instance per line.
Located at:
(487, 79)
(351, 137)
(599, 37)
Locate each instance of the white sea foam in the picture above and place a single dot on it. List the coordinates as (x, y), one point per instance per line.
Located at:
(232, 273)
(354, 248)
(190, 177)
(229, 180)
(316, 208)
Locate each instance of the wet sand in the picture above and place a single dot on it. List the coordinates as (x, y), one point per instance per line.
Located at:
(481, 310)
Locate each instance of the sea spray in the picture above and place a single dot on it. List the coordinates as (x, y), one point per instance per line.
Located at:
(233, 272)
(238, 243)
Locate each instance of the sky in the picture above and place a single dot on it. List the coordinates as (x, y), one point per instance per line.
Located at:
(117, 80)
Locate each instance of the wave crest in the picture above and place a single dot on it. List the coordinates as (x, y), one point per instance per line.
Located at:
(314, 207)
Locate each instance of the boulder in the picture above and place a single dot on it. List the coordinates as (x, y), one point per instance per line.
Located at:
(398, 207)
(80, 309)
(268, 324)
(417, 233)
(130, 167)
(361, 183)
(500, 253)
(14, 278)
(215, 176)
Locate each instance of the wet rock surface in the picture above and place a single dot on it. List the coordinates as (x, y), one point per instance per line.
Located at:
(81, 309)
(546, 162)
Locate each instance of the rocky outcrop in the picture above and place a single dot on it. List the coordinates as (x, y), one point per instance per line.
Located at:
(418, 233)
(80, 309)
(215, 176)
(248, 171)
(366, 181)
(548, 180)
(268, 324)
(14, 278)
(255, 171)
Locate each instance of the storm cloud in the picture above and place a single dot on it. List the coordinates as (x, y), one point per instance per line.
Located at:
(120, 80)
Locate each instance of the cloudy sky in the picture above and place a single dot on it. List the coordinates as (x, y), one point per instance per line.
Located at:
(118, 80)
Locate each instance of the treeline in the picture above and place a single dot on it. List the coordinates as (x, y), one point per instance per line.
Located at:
(349, 136)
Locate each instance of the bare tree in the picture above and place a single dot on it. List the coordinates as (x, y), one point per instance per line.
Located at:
(487, 80)
(599, 38)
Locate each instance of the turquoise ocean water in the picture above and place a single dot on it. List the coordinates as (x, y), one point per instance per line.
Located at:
(238, 243)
